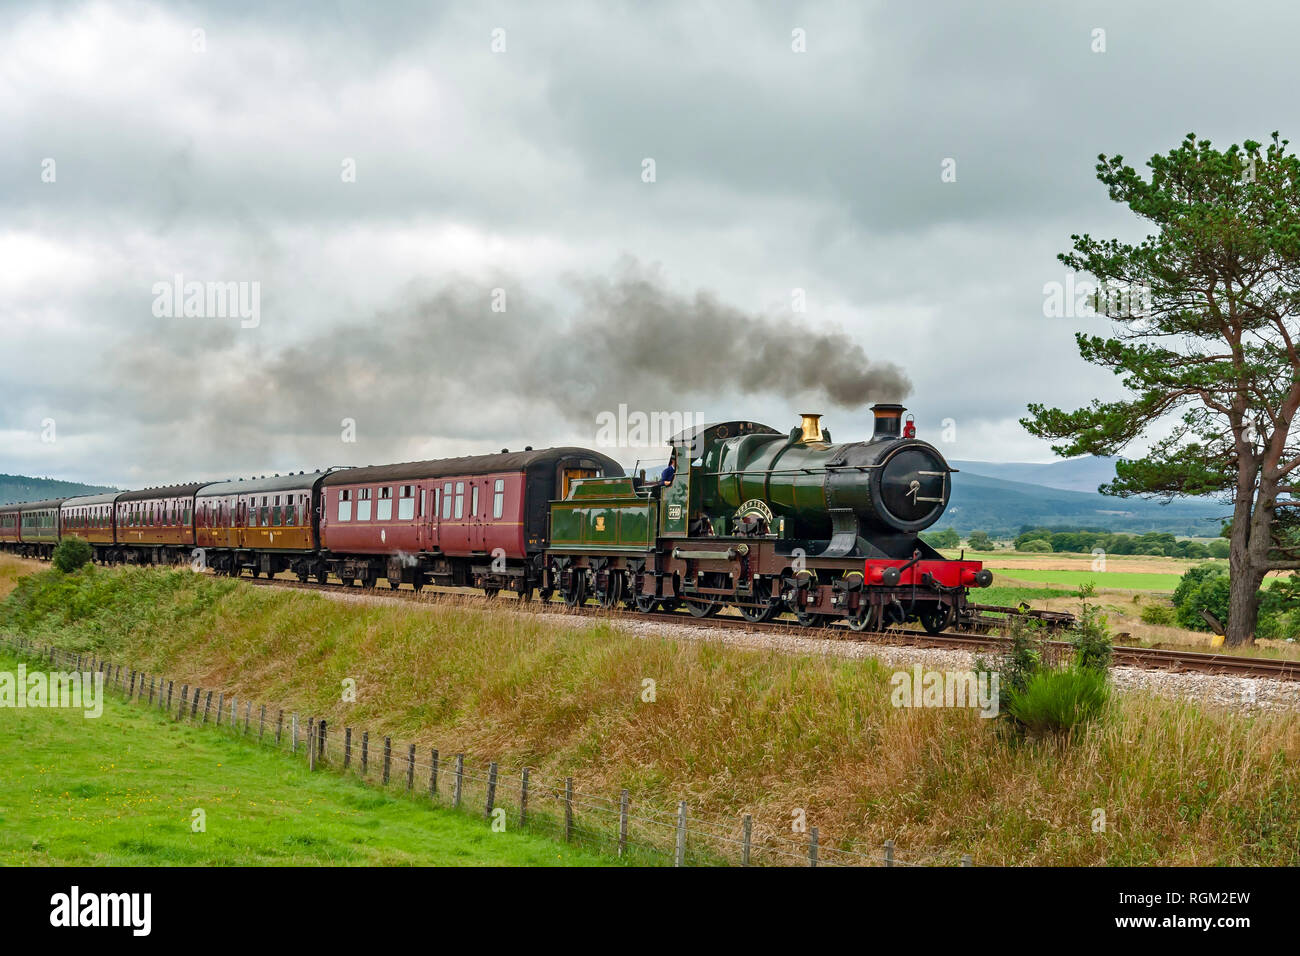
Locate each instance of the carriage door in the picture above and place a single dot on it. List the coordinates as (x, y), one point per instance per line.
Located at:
(477, 528)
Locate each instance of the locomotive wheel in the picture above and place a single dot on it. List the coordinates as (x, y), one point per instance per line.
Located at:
(756, 614)
(490, 593)
(322, 577)
(544, 595)
(417, 584)
(393, 585)
(936, 618)
(646, 603)
(670, 604)
(809, 619)
(576, 593)
(862, 620)
(525, 595)
(302, 577)
(703, 608)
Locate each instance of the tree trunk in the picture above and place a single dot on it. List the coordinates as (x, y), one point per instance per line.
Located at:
(1243, 606)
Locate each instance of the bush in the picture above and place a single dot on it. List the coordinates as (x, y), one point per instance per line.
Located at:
(1058, 701)
(71, 553)
(1092, 643)
(980, 541)
(1161, 615)
(1035, 544)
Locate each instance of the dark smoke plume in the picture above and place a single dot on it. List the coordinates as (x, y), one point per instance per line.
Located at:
(445, 366)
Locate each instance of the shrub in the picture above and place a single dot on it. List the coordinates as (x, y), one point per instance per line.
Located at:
(1091, 640)
(1058, 701)
(1035, 544)
(980, 541)
(71, 553)
(1161, 615)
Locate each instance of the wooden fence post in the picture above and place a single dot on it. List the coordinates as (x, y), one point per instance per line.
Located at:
(523, 799)
(568, 809)
(388, 757)
(221, 707)
(184, 693)
(347, 747)
(889, 853)
(491, 789)
(322, 730)
(622, 822)
(151, 680)
(433, 773)
(747, 840)
(234, 712)
(812, 846)
(311, 743)
(169, 696)
(459, 781)
(207, 707)
(410, 769)
(279, 727)
(261, 724)
(131, 692)
(680, 859)
(194, 708)
(248, 715)
(293, 734)
(365, 752)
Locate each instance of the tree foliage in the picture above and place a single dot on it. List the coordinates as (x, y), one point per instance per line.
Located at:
(1211, 363)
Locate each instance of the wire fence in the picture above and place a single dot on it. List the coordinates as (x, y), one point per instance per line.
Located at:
(515, 798)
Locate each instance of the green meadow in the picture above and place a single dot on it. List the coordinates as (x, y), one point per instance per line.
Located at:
(121, 790)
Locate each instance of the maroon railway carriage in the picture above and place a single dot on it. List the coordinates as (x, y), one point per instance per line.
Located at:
(10, 525)
(481, 520)
(156, 525)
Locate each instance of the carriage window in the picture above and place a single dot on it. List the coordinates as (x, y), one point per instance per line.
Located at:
(345, 505)
(460, 499)
(446, 499)
(422, 494)
(498, 497)
(185, 515)
(406, 503)
(473, 500)
(290, 513)
(363, 504)
(385, 510)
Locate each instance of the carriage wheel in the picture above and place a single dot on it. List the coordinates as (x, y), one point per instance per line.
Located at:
(809, 619)
(646, 603)
(322, 577)
(613, 594)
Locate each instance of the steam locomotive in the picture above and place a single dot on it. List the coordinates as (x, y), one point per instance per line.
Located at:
(769, 523)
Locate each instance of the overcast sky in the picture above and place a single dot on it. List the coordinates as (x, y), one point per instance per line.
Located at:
(390, 177)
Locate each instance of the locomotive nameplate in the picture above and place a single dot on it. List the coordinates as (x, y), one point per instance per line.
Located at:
(755, 506)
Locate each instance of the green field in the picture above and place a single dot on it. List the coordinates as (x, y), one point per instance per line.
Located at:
(120, 791)
(1112, 580)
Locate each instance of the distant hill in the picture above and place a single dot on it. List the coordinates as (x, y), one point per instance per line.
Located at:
(21, 488)
(1070, 474)
(995, 505)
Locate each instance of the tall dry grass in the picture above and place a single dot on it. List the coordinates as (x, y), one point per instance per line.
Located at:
(731, 730)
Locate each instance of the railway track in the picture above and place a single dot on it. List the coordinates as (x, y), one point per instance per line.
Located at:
(1150, 658)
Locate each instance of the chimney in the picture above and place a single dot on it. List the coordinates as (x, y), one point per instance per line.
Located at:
(811, 427)
(889, 419)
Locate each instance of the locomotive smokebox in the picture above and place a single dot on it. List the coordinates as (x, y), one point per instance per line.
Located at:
(889, 420)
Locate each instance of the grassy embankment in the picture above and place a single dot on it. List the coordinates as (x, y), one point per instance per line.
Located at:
(731, 730)
(121, 790)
